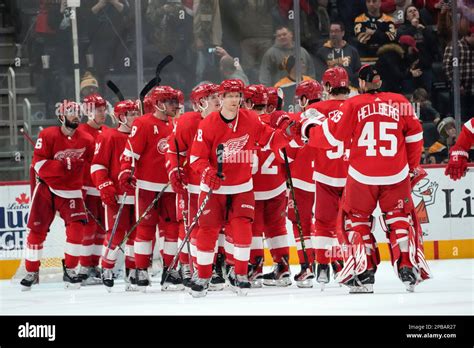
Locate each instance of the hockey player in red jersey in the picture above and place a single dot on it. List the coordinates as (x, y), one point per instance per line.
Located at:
(270, 201)
(458, 154)
(59, 159)
(385, 152)
(148, 145)
(330, 173)
(240, 132)
(105, 170)
(302, 172)
(94, 107)
(183, 179)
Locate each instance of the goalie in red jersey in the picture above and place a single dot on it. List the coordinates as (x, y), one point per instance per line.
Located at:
(386, 144)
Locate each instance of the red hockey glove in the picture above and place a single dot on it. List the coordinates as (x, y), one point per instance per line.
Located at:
(210, 178)
(457, 164)
(108, 193)
(127, 181)
(416, 174)
(178, 180)
(73, 164)
(279, 120)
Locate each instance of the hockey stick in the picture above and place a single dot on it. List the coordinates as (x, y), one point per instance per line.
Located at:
(156, 80)
(116, 90)
(185, 217)
(27, 136)
(220, 156)
(147, 210)
(289, 182)
(114, 228)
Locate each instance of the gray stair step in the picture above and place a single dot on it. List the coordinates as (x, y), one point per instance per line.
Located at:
(22, 80)
(37, 111)
(7, 50)
(26, 90)
(7, 30)
(12, 62)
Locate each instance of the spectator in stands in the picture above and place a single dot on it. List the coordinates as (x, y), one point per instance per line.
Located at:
(428, 116)
(426, 43)
(445, 24)
(466, 72)
(347, 12)
(107, 26)
(338, 52)
(395, 9)
(373, 29)
(89, 85)
(207, 29)
(397, 65)
(271, 69)
(290, 67)
(255, 32)
(314, 21)
(439, 151)
(172, 32)
(230, 67)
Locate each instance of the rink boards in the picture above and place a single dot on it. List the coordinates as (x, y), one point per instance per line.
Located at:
(445, 209)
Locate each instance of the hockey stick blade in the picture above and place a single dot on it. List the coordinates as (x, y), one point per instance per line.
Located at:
(115, 89)
(164, 62)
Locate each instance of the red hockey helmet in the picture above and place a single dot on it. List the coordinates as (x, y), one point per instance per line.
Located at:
(69, 108)
(272, 93)
(203, 91)
(310, 89)
(232, 85)
(148, 105)
(336, 77)
(163, 93)
(94, 99)
(180, 96)
(123, 107)
(257, 94)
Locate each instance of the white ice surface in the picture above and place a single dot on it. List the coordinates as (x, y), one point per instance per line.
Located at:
(450, 292)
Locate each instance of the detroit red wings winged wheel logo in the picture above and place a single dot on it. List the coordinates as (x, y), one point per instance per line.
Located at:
(71, 153)
(233, 146)
(162, 146)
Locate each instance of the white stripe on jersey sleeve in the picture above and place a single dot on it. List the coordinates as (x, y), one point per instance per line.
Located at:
(414, 138)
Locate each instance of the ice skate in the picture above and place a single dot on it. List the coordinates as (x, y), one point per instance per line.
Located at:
(217, 280)
(108, 279)
(199, 287)
(255, 273)
(408, 277)
(70, 278)
(322, 275)
(171, 280)
(280, 276)
(143, 280)
(362, 283)
(304, 279)
(336, 267)
(90, 275)
(239, 283)
(185, 272)
(30, 279)
(130, 279)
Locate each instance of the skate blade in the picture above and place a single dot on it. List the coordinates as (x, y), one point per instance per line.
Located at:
(172, 287)
(131, 288)
(322, 286)
(409, 287)
(256, 284)
(216, 287)
(269, 282)
(304, 284)
(242, 292)
(198, 294)
(109, 289)
(25, 288)
(283, 282)
(72, 286)
(91, 281)
(366, 289)
(143, 289)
